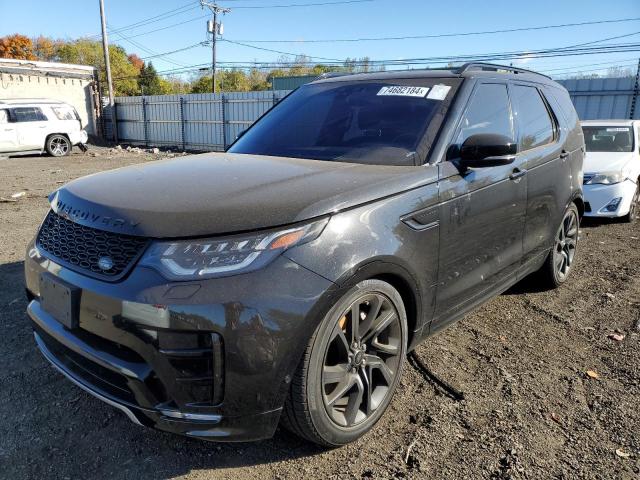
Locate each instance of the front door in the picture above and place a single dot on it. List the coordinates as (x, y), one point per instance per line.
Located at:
(482, 212)
(8, 138)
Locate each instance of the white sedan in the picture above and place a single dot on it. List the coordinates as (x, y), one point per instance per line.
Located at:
(612, 168)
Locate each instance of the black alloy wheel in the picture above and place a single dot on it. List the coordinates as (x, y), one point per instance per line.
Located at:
(565, 245)
(362, 359)
(350, 367)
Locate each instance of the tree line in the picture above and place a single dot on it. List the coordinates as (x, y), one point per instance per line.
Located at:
(132, 75)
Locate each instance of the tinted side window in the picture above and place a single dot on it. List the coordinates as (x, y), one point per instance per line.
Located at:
(27, 114)
(488, 111)
(534, 123)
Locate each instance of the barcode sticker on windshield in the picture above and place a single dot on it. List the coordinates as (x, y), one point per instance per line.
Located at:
(618, 129)
(404, 91)
(438, 92)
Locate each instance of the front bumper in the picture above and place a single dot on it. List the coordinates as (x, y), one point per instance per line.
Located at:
(598, 196)
(219, 366)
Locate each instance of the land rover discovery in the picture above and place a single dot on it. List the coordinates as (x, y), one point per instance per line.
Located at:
(285, 280)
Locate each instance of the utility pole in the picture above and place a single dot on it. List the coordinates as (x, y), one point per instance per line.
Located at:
(107, 66)
(215, 29)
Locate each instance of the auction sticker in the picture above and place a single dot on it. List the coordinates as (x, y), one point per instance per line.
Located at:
(401, 91)
(439, 92)
(618, 129)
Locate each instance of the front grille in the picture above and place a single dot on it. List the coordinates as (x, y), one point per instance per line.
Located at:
(81, 248)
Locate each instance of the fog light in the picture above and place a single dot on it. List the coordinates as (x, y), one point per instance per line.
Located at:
(612, 206)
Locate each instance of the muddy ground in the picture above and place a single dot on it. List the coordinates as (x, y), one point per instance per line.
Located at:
(530, 408)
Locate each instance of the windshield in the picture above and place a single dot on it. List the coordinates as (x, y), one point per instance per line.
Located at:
(608, 139)
(374, 122)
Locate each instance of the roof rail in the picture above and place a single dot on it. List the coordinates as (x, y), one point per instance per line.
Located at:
(494, 67)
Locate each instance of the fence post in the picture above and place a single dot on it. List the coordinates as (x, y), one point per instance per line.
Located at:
(182, 129)
(224, 121)
(636, 90)
(144, 121)
(114, 122)
(274, 99)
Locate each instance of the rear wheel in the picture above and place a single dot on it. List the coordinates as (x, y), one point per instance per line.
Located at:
(351, 367)
(559, 262)
(633, 209)
(58, 145)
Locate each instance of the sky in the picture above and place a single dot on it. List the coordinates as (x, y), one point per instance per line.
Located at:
(353, 19)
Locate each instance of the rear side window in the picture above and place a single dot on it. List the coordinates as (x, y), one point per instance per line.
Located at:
(489, 111)
(534, 123)
(64, 113)
(566, 105)
(27, 114)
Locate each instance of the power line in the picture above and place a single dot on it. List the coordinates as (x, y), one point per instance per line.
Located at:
(199, 44)
(587, 65)
(498, 56)
(441, 35)
(148, 50)
(161, 16)
(279, 51)
(292, 5)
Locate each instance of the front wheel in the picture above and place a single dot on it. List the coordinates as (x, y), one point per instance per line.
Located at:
(350, 368)
(58, 145)
(633, 209)
(559, 262)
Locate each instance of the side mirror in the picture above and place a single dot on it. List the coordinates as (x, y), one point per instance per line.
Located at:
(487, 150)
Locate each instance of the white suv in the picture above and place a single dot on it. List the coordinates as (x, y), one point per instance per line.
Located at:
(34, 125)
(612, 168)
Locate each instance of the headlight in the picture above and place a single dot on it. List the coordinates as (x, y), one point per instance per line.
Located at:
(608, 178)
(218, 257)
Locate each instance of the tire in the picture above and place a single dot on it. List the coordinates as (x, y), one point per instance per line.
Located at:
(559, 262)
(341, 390)
(633, 209)
(58, 145)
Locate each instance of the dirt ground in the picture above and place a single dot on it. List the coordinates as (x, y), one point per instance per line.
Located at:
(531, 410)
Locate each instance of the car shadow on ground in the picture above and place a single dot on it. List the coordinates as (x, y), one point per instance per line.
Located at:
(46, 416)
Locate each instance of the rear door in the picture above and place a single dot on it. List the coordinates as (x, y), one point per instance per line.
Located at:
(8, 136)
(31, 126)
(482, 211)
(549, 178)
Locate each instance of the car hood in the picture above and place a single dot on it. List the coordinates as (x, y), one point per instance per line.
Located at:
(597, 162)
(217, 193)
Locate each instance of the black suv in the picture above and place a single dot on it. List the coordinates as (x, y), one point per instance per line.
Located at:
(285, 280)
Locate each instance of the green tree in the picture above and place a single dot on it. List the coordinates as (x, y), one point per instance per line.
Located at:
(150, 83)
(89, 52)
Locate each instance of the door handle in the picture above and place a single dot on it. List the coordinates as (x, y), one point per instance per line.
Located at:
(518, 173)
(564, 154)
(43, 126)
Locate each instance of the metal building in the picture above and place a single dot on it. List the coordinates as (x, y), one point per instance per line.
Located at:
(74, 84)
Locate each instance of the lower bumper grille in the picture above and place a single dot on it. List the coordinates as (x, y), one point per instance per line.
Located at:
(109, 382)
